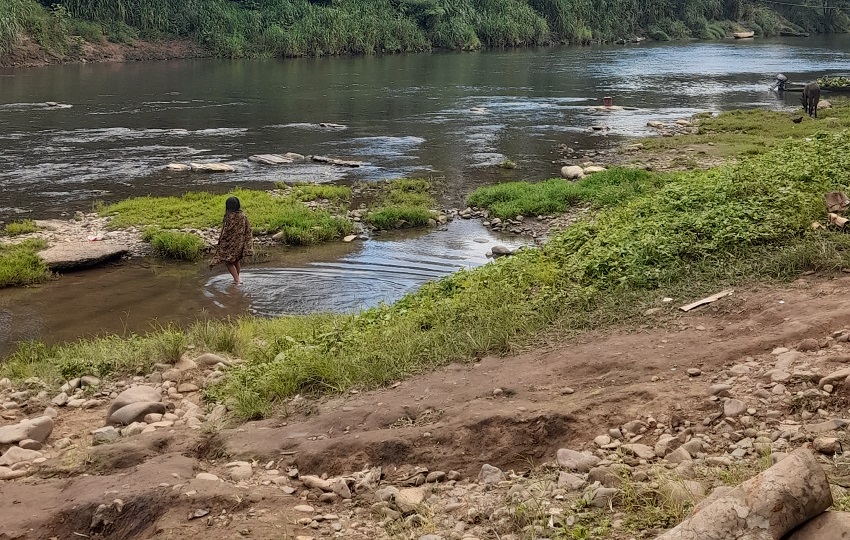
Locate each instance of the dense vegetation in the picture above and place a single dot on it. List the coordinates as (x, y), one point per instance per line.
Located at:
(402, 203)
(319, 27)
(653, 235)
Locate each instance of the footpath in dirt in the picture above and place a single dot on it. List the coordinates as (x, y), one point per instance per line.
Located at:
(579, 438)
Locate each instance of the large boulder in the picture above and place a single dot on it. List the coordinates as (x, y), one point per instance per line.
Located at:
(827, 526)
(134, 412)
(136, 394)
(38, 429)
(572, 172)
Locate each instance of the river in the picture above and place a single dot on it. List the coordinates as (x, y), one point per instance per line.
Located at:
(452, 116)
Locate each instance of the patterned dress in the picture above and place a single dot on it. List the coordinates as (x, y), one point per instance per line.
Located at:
(235, 241)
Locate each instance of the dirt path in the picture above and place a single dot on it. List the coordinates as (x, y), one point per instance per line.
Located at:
(513, 413)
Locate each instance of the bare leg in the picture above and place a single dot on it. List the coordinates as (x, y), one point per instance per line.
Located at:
(234, 271)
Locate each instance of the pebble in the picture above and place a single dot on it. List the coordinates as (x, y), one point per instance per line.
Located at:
(694, 372)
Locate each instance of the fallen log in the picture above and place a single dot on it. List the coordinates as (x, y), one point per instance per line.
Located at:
(764, 507)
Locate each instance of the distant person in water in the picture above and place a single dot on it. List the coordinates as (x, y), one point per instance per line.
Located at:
(235, 242)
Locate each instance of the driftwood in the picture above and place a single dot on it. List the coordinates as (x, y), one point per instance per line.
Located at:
(765, 507)
(707, 300)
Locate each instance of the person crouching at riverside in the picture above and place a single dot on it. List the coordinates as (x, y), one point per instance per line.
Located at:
(235, 241)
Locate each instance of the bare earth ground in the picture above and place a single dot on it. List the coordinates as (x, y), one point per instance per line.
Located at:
(30, 54)
(512, 412)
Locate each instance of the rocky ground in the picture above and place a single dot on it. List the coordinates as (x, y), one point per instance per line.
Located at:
(614, 435)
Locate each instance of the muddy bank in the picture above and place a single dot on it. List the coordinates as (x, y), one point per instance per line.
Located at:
(30, 54)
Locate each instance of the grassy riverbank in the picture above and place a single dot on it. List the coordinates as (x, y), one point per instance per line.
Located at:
(402, 203)
(268, 213)
(680, 235)
(284, 28)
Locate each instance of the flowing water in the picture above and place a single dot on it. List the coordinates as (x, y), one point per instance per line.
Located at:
(446, 115)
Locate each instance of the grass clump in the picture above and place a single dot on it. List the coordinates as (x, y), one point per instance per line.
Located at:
(20, 263)
(507, 164)
(402, 203)
(267, 212)
(20, 227)
(175, 245)
(606, 188)
(313, 192)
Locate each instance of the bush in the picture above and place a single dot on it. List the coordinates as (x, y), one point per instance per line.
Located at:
(175, 245)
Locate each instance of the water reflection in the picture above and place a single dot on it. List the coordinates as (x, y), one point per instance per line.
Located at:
(378, 270)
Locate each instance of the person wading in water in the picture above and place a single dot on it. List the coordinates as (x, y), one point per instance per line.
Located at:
(235, 241)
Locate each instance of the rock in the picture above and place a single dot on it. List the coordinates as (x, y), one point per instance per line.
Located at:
(608, 476)
(60, 400)
(694, 372)
(340, 487)
(153, 418)
(666, 444)
(829, 425)
(576, 461)
(808, 345)
(435, 476)
(207, 360)
(739, 369)
(187, 388)
(186, 364)
(306, 508)
(569, 481)
(734, 408)
(270, 159)
(105, 435)
(211, 167)
(178, 167)
(135, 394)
(133, 429)
(490, 475)
(72, 255)
(656, 124)
(16, 454)
(38, 428)
(572, 172)
(602, 441)
(134, 412)
(350, 238)
(835, 378)
(408, 500)
(8, 474)
(683, 492)
(207, 476)
(603, 497)
(593, 169)
(30, 444)
(501, 251)
(824, 445)
(678, 455)
(240, 470)
(89, 380)
(315, 482)
(431, 537)
(824, 104)
(640, 450)
(720, 390)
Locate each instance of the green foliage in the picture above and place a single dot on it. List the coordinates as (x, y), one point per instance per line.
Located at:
(314, 192)
(507, 164)
(16, 228)
(834, 82)
(175, 245)
(607, 188)
(402, 203)
(20, 263)
(265, 211)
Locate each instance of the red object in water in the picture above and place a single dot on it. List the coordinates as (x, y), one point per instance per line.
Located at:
(607, 101)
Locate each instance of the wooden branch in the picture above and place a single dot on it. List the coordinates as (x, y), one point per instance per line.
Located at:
(707, 300)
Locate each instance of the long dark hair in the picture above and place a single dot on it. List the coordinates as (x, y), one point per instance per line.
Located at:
(232, 204)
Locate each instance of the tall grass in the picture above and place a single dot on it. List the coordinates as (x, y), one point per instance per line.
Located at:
(402, 203)
(175, 245)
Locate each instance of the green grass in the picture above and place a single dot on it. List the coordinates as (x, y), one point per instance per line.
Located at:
(402, 203)
(606, 188)
(736, 134)
(20, 227)
(175, 245)
(313, 192)
(20, 263)
(685, 234)
(266, 212)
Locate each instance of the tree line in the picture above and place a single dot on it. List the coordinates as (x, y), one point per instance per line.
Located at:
(239, 28)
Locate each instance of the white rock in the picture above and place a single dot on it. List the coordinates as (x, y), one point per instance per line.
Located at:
(572, 172)
(16, 454)
(38, 428)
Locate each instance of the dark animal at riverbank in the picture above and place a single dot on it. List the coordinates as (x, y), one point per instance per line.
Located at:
(810, 99)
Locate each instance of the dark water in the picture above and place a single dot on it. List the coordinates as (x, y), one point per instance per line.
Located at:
(452, 116)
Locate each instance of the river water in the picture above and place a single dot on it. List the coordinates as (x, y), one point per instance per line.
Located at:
(451, 116)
